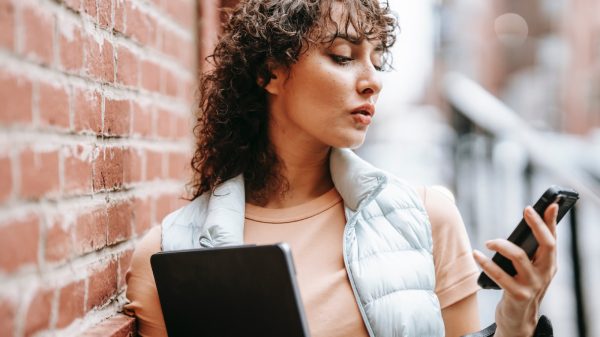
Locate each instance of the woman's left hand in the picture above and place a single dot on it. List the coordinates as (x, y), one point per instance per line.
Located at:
(517, 312)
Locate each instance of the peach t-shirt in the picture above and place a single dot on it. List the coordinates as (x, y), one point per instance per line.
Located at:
(314, 231)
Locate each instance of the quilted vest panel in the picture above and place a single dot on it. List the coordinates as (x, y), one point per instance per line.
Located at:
(387, 243)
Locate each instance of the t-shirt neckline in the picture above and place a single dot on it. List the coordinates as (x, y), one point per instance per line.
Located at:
(295, 213)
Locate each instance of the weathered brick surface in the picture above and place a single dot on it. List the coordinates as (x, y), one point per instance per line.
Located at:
(90, 230)
(39, 173)
(6, 178)
(19, 243)
(116, 326)
(70, 303)
(119, 222)
(39, 30)
(7, 318)
(59, 244)
(77, 166)
(102, 284)
(117, 116)
(7, 24)
(95, 102)
(87, 113)
(71, 48)
(54, 105)
(38, 311)
(16, 89)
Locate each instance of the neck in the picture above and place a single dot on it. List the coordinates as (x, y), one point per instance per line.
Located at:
(305, 166)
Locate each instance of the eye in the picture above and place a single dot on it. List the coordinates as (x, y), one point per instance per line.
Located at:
(339, 59)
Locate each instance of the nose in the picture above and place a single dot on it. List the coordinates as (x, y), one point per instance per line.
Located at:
(369, 84)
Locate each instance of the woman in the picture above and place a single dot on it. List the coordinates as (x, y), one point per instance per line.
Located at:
(293, 88)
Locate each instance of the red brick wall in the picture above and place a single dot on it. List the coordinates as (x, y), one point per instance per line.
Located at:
(95, 102)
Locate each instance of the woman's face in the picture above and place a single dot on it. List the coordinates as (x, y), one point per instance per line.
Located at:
(328, 96)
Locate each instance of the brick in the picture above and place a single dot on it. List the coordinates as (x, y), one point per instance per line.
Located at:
(153, 165)
(54, 105)
(117, 117)
(87, 111)
(183, 12)
(100, 60)
(102, 285)
(73, 4)
(127, 67)
(164, 204)
(172, 44)
(58, 242)
(150, 76)
(71, 48)
(7, 25)
(108, 169)
(89, 8)
(19, 243)
(17, 90)
(8, 313)
(132, 166)
(104, 14)
(140, 26)
(120, 8)
(38, 312)
(6, 178)
(70, 303)
(157, 41)
(170, 85)
(119, 222)
(142, 215)
(165, 124)
(39, 31)
(77, 170)
(142, 120)
(124, 264)
(187, 93)
(179, 166)
(116, 326)
(183, 127)
(39, 173)
(90, 231)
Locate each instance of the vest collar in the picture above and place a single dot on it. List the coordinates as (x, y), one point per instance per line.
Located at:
(357, 181)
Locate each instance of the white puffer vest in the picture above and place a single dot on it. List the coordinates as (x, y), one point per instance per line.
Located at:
(387, 243)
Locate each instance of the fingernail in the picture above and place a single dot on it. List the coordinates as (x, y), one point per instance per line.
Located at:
(488, 243)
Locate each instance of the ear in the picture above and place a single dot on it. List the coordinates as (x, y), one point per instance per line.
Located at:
(276, 80)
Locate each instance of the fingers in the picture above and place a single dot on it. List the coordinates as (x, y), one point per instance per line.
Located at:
(505, 281)
(544, 232)
(550, 218)
(515, 254)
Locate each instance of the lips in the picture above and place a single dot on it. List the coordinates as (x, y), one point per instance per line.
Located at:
(365, 109)
(363, 114)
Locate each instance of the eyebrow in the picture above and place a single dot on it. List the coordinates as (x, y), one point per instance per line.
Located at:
(354, 39)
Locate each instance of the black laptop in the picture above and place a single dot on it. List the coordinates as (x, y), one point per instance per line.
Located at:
(230, 292)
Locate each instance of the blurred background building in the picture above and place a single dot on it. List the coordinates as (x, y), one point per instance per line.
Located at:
(495, 100)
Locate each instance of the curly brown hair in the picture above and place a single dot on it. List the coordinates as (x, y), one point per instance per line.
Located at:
(232, 124)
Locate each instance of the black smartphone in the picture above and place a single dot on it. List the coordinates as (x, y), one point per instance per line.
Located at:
(522, 235)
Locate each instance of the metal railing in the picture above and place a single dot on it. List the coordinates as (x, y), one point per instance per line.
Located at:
(479, 112)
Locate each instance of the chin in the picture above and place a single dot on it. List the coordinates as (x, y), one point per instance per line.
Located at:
(352, 140)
